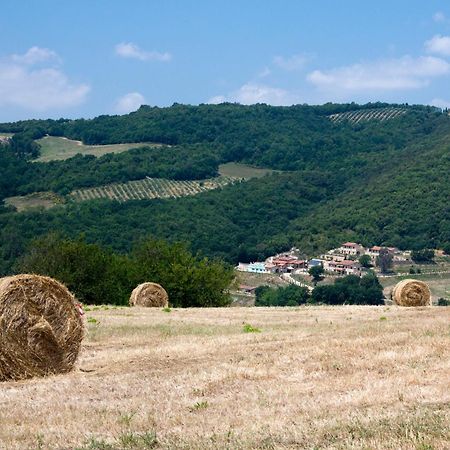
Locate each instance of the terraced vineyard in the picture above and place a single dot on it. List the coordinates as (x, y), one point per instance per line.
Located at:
(363, 115)
(150, 188)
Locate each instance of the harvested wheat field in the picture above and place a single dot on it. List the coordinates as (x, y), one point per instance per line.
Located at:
(312, 377)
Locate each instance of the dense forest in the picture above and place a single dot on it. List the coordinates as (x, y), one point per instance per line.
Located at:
(378, 182)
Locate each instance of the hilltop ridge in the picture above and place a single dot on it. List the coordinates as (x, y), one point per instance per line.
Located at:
(383, 179)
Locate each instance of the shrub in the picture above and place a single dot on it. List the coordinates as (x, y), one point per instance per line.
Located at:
(350, 290)
(283, 296)
(98, 276)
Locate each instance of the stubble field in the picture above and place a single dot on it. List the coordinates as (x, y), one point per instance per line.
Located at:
(312, 377)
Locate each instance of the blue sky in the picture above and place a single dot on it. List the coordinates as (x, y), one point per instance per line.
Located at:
(88, 57)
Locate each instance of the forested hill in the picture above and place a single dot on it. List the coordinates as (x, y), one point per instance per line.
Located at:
(375, 173)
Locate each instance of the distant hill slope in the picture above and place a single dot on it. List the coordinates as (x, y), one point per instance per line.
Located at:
(375, 181)
(407, 205)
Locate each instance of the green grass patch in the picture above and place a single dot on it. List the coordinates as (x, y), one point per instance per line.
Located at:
(59, 148)
(247, 328)
(243, 171)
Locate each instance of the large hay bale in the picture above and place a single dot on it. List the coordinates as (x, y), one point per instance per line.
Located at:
(411, 293)
(149, 295)
(41, 328)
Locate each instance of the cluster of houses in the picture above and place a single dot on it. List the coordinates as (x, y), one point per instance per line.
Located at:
(4, 139)
(341, 261)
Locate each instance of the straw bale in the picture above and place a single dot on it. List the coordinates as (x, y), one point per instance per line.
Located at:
(41, 328)
(149, 295)
(411, 293)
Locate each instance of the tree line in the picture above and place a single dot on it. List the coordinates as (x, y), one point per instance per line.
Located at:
(348, 290)
(97, 275)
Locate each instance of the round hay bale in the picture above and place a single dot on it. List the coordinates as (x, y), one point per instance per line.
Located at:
(411, 293)
(41, 328)
(150, 295)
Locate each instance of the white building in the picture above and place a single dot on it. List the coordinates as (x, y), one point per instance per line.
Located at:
(254, 267)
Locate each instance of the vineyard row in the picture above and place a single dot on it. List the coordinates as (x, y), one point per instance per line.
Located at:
(367, 114)
(150, 188)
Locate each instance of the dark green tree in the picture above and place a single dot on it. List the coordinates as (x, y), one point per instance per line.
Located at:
(316, 272)
(188, 279)
(282, 296)
(365, 261)
(422, 256)
(385, 260)
(93, 274)
(350, 290)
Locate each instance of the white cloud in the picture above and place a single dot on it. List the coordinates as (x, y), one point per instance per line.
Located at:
(129, 102)
(384, 75)
(217, 99)
(294, 62)
(36, 55)
(440, 103)
(130, 50)
(37, 89)
(439, 17)
(251, 93)
(438, 44)
(264, 73)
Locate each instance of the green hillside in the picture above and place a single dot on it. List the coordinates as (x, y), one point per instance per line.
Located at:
(381, 180)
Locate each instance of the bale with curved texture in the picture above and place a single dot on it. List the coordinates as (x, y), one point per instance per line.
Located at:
(41, 328)
(149, 295)
(411, 293)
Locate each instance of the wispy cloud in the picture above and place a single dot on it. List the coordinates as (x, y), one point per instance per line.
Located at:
(439, 17)
(264, 72)
(129, 102)
(440, 103)
(251, 93)
(130, 50)
(439, 45)
(36, 55)
(42, 88)
(384, 75)
(294, 62)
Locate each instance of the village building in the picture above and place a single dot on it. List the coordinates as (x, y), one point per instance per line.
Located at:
(374, 252)
(332, 257)
(351, 249)
(254, 267)
(346, 267)
(284, 264)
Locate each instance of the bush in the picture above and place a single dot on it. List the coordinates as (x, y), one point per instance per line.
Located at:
(424, 256)
(350, 290)
(190, 280)
(443, 302)
(283, 296)
(98, 276)
(95, 275)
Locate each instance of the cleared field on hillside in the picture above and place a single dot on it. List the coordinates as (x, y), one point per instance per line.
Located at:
(37, 200)
(314, 377)
(362, 115)
(237, 170)
(60, 148)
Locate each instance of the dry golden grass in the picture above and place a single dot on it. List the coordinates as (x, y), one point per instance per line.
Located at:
(314, 377)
